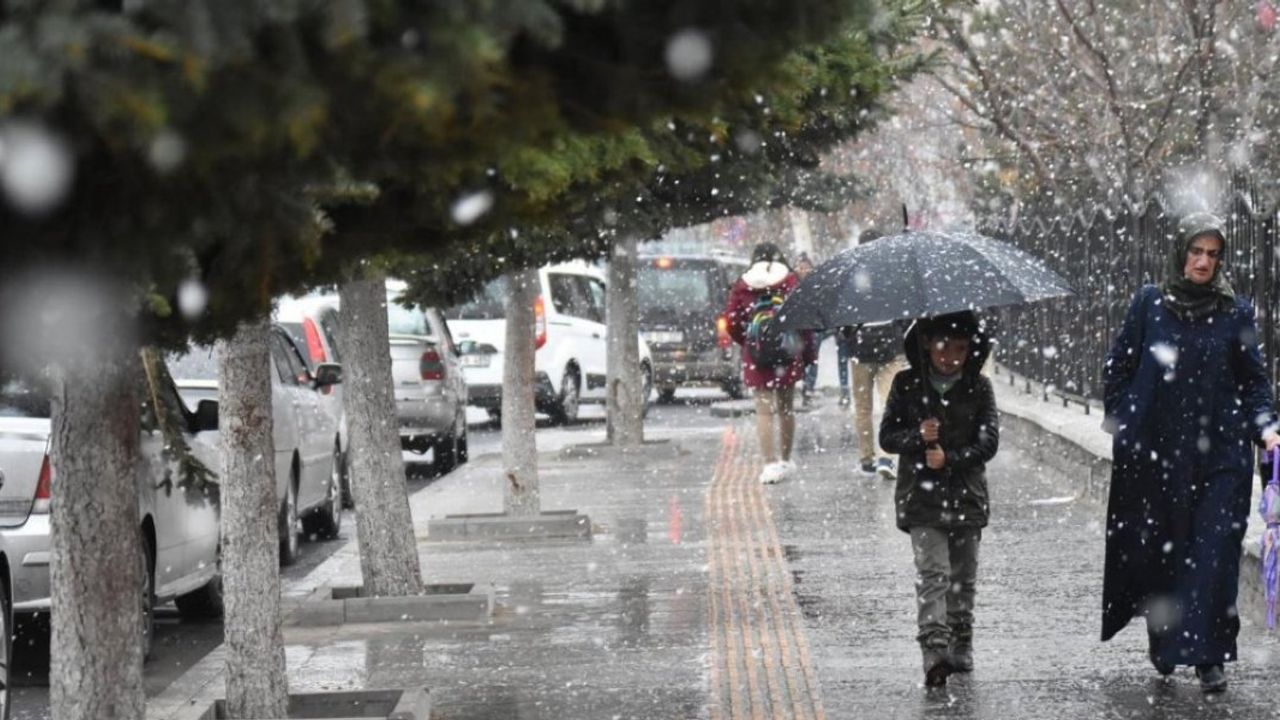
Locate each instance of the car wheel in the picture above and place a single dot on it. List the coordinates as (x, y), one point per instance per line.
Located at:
(6, 645)
(290, 530)
(464, 454)
(495, 415)
(446, 454)
(566, 408)
(733, 389)
(326, 521)
(666, 396)
(147, 595)
(205, 603)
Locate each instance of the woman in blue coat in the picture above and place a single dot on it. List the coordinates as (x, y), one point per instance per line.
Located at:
(1186, 396)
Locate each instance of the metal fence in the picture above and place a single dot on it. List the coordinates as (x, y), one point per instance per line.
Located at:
(1063, 344)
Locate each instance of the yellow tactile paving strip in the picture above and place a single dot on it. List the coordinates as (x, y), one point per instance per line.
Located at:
(760, 662)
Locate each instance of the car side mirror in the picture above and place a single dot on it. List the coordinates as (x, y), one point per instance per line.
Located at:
(327, 374)
(206, 416)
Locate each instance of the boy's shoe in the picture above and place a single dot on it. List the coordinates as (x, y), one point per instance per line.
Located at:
(1161, 666)
(962, 656)
(1213, 679)
(884, 468)
(937, 666)
(868, 467)
(788, 468)
(772, 473)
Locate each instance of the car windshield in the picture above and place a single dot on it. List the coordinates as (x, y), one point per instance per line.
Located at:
(403, 320)
(198, 363)
(678, 289)
(487, 304)
(23, 399)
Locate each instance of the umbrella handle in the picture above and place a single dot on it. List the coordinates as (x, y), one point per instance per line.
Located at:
(1275, 465)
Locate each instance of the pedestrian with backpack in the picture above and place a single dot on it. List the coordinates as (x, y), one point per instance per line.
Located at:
(773, 360)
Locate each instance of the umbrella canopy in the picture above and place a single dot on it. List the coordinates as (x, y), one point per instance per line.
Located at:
(918, 274)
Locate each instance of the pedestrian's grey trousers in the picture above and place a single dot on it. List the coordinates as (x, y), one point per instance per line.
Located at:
(946, 581)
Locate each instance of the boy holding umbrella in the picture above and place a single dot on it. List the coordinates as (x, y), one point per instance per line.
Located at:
(941, 420)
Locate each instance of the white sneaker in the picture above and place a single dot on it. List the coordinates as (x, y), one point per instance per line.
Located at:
(772, 473)
(886, 469)
(789, 468)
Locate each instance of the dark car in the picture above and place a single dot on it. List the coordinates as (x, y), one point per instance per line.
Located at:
(682, 300)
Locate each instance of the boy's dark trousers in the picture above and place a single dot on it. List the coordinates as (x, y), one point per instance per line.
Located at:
(946, 580)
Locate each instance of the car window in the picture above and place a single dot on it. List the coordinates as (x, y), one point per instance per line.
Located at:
(679, 289)
(299, 337)
(403, 320)
(486, 305)
(288, 363)
(568, 296)
(329, 326)
(593, 290)
(23, 399)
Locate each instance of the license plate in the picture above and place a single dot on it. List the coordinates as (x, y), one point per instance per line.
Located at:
(664, 338)
(476, 361)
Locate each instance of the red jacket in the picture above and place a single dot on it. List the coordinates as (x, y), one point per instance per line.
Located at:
(775, 278)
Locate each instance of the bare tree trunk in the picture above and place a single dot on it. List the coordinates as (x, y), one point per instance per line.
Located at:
(389, 559)
(625, 425)
(257, 686)
(519, 449)
(97, 569)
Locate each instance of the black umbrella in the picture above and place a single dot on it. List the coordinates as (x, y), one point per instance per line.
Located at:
(918, 274)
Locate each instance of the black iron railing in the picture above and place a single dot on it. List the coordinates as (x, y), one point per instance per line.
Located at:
(1063, 344)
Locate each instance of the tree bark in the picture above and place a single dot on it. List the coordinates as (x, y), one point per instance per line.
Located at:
(625, 426)
(96, 569)
(519, 449)
(389, 560)
(256, 682)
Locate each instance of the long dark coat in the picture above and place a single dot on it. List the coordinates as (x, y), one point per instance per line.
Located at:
(1183, 400)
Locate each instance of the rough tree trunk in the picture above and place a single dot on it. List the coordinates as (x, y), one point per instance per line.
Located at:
(389, 558)
(519, 449)
(96, 569)
(625, 425)
(256, 683)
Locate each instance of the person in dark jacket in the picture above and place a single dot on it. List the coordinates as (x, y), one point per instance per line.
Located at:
(941, 421)
(876, 352)
(1185, 393)
(774, 387)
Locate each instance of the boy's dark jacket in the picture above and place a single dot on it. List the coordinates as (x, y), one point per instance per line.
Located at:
(956, 495)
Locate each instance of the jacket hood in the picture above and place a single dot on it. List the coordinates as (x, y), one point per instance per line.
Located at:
(765, 274)
(961, 323)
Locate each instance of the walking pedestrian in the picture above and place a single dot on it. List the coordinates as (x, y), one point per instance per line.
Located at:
(941, 421)
(772, 375)
(804, 266)
(876, 354)
(1186, 391)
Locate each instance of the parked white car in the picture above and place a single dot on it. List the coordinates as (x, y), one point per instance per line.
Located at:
(179, 522)
(307, 446)
(571, 357)
(430, 390)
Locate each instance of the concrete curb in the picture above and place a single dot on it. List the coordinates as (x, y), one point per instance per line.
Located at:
(411, 704)
(554, 524)
(608, 451)
(456, 603)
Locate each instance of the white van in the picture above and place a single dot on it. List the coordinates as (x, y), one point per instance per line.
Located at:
(571, 356)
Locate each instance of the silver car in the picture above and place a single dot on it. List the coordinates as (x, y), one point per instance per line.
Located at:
(179, 522)
(307, 446)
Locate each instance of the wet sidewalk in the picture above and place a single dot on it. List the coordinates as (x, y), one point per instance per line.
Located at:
(706, 595)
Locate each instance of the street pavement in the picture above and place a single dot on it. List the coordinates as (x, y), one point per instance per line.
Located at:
(704, 594)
